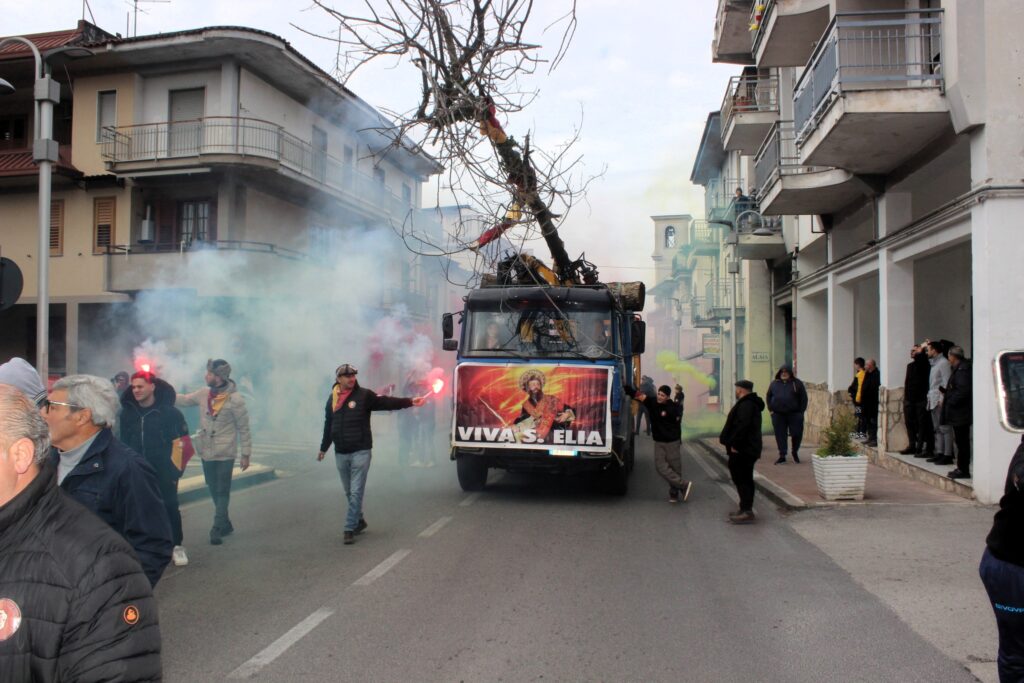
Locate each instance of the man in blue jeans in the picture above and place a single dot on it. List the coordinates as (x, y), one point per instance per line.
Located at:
(347, 426)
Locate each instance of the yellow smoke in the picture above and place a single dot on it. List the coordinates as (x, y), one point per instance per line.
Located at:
(679, 369)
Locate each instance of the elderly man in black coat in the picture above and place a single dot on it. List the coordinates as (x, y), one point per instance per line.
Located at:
(958, 411)
(74, 602)
(741, 437)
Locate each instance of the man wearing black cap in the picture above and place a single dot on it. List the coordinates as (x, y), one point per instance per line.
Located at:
(741, 437)
(223, 429)
(347, 425)
(666, 420)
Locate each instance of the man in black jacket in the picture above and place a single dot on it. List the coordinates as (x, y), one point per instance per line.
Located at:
(347, 425)
(150, 424)
(958, 412)
(666, 420)
(869, 400)
(787, 402)
(74, 602)
(741, 437)
(103, 474)
(915, 405)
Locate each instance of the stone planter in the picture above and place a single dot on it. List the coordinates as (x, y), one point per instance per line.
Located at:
(840, 477)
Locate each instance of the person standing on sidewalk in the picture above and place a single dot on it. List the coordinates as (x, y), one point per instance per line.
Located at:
(957, 411)
(75, 604)
(855, 394)
(149, 425)
(223, 430)
(741, 437)
(915, 404)
(787, 403)
(347, 426)
(1002, 571)
(666, 421)
(938, 378)
(869, 401)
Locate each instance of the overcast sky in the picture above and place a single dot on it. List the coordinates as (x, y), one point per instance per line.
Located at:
(640, 80)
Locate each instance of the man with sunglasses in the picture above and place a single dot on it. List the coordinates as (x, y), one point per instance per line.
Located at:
(347, 425)
(103, 474)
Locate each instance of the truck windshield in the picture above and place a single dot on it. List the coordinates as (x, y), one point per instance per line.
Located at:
(539, 334)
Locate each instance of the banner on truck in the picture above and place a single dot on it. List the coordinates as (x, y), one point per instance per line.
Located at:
(536, 406)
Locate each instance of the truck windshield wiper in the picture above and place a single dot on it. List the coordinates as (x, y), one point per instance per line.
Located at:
(508, 351)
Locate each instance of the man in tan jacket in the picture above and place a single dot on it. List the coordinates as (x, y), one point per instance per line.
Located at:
(223, 425)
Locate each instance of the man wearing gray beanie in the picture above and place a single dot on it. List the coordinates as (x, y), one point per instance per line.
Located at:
(223, 429)
(20, 374)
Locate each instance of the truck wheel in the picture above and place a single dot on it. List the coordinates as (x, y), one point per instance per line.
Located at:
(631, 454)
(472, 473)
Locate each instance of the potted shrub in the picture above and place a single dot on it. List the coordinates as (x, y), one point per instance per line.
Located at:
(839, 471)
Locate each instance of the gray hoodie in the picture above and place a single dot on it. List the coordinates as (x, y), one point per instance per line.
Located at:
(937, 377)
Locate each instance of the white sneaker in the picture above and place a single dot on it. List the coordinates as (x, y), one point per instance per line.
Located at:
(179, 556)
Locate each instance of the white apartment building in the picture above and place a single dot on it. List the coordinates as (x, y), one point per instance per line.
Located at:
(180, 143)
(884, 137)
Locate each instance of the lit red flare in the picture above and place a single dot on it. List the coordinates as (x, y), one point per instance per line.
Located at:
(438, 385)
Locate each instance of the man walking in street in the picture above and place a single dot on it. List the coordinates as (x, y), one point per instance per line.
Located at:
(666, 419)
(938, 379)
(347, 426)
(915, 404)
(149, 425)
(869, 401)
(223, 430)
(741, 437)
(103, 474)
(957, 411)
(74, 603)
(787, 403)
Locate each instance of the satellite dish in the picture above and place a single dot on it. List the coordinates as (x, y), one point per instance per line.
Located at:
(11, 283)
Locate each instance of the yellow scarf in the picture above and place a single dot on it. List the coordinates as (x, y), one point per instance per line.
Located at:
(217, 402)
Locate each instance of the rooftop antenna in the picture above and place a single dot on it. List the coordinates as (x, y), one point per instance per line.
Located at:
(85, 6)
(136, 10)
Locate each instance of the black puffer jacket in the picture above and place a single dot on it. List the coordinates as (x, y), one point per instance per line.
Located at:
(349, 426)
(87, 610)
(915, 386)
(151, 431)
(957, 408)
(742, 431)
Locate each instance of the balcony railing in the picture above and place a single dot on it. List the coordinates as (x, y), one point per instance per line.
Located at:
(718, 295)
(778, 157)
(249, 138)
(701, 234)
(749, 94)
(885, 49)
(760, 13)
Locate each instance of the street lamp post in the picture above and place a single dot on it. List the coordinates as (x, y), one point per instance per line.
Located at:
(45, 152)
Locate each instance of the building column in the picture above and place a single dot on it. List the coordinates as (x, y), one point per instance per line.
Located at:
(840, 334)
(71, 337)
(895, 337)
(998, 318)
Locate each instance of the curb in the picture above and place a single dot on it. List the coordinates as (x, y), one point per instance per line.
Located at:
(193, 488)
(769, 488)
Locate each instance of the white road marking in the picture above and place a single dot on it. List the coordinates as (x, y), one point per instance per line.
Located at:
(279, 646)
(729, 490)
(470, 499)
(381, 569)
(435, 527)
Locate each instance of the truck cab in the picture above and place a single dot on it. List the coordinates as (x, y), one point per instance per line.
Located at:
(538, 383)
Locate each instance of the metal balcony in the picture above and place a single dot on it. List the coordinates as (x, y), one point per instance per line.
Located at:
(749, 108)
(703, 242)
(700, 314)
(786, 31)
(720, 198)
(785, 187)
(731, 42)
(870, 97)
(257, 144)
(718, 298)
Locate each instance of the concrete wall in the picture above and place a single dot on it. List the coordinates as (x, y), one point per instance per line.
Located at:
(865, 326)
(852, 231)
(85, 150)
(155, 93)
(942, 296)
(812, 329)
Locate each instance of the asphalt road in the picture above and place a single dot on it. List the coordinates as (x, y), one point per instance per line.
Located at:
(536, 578)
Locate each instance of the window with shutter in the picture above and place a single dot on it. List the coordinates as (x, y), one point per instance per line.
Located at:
(103, 224)
(57, 227)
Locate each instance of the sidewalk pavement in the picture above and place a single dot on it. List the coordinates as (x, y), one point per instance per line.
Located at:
(792, 486)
